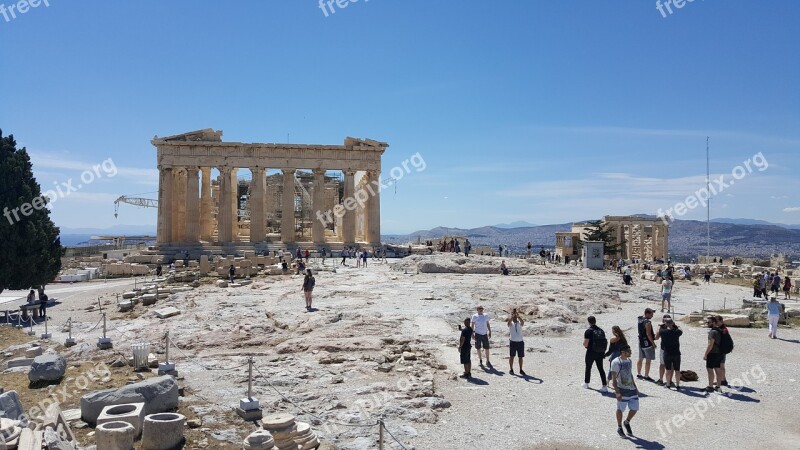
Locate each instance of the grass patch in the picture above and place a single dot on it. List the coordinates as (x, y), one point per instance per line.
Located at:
(11, 336)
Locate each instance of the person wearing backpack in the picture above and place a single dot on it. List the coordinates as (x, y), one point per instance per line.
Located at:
(596, 344)
(726, 346)
(647, 345)
(308, 288)
(713, 356)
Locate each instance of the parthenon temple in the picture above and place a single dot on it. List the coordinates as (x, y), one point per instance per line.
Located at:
(287, 194)
(644, 238)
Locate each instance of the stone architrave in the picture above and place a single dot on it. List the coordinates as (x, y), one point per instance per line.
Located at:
(287, 207)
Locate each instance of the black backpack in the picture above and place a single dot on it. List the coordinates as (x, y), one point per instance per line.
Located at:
(599, 341)
(726, 343)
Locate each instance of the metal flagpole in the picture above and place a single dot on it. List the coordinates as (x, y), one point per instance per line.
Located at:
(708, 205)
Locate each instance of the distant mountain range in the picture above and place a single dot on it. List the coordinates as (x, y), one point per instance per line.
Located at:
(755, 222)
(687, 238)
(517, 224)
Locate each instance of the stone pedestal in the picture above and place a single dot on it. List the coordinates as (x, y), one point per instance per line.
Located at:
(163, 431)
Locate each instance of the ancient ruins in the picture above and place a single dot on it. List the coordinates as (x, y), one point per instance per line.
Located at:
(304, 200)
(645, 238)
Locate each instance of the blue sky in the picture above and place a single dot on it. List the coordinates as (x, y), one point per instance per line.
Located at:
(545, 111)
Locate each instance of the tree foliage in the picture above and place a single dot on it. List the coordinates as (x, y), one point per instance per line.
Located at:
(598, 230)
(30, 248)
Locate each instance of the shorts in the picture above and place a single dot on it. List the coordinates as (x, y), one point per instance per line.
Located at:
(714, 360)
(666, 296)
(647, 353)
(631, 403)
(465, 351)
(724, 358)
(516, 349)
(672, 362)
(481, 341)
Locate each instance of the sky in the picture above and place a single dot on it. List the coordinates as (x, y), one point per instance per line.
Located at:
(542, 111)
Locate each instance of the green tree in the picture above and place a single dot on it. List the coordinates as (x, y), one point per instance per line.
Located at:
(598, 230)
(30, 249)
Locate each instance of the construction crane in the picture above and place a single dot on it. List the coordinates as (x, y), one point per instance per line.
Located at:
(136, 201)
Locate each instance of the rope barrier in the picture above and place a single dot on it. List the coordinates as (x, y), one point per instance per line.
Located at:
(392, 436)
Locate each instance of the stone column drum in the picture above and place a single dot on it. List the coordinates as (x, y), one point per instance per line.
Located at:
(162, 431)
(115, 436)
(349, 202)
(287, 207)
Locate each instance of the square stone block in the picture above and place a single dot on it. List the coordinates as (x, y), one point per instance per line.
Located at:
(249, 404)
(167, 312)
(132, 413)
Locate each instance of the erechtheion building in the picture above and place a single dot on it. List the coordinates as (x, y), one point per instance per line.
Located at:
(644, 238)
(287, 195)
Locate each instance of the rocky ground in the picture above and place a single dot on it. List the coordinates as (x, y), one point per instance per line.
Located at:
(381, 344)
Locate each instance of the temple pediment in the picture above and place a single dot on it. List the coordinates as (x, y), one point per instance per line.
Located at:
(206, 135)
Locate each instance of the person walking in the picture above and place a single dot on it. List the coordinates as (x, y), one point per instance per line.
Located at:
(707, 276)
(647, 350)
(787, 287)
(308, 288)
(776, 284)
(666, 294)
(159, 270)
(516, 341)
(595, 343)
(616, 343)
(670, 334)
(344, 257)
(661, 368)
(773, 315)
(232, 272)
(467, 247)
(364, 257)
(625, 389)
(42, 305)
(713, 356)
(465, 348)
(482, 333)
(726, 346)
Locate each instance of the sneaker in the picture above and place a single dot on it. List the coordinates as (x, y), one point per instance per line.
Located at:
(678, 387)
(604, 389)
(672, 385)
(647, 378)
(489, 364)
(709, 388)
(620, 432)
(628, 428)
(511, 371)
(640, 377)
(522, 372)
(665, 385)
(585, 385)
(724, 383)
(660, 383)
(716, 388)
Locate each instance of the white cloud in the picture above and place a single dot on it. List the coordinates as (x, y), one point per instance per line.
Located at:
(791, 209)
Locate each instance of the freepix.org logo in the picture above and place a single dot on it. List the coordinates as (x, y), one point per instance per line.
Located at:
(11, 11)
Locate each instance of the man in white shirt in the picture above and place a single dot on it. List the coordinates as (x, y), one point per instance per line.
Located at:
(516, 341)
(482, 334)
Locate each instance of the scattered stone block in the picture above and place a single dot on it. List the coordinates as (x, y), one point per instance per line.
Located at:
(33, 352)
(19, 362)
(259, 440)
(10, 406)
(159, 394)
(128, 295)
(222, 284)
(125, 306)
(167, 312)
(47, 368)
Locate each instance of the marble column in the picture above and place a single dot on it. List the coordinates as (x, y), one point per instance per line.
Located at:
(192, 205)
(620, 239)
(234, 202)
(349, 202)
(179, 204)
(206, 228)
(224, 211)
(287, 207)
(373, 208)
(258, 225)
(164, 234)
(317, 213)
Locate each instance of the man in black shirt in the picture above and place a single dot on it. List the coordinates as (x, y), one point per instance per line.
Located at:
(595, 342)
(464, 348)
(670, 334)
